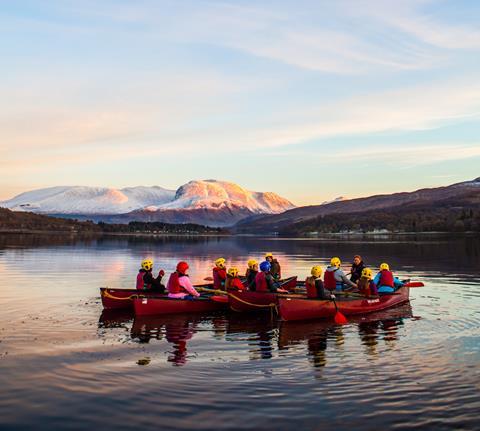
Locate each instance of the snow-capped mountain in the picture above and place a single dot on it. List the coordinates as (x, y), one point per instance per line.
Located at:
(209, 202)
(88, 200)
(213, 194)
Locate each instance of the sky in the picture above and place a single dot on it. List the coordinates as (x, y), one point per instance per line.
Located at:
(308, 99)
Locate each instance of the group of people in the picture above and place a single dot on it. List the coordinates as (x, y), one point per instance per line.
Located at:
(262, 277)
(361, 279)
(265, 277)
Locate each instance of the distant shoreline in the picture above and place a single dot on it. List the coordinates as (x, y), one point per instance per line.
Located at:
(98, 234)
(224, 234)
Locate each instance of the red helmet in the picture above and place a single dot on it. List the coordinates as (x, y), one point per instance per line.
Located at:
(182, 267)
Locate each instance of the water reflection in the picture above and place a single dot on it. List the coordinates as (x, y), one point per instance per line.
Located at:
(52, 333)
(175, 329)
(262, 335)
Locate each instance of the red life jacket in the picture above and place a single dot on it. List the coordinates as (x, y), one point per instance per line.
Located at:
(329, 280)
(219, 276)
(364, 286)
(386, 278)
(311, 287)
(141, 285)
(173, 285)
(261, 282)
(234, 283)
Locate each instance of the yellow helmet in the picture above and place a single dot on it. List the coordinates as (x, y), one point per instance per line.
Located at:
(220, 263)
(147, 264)
(316, 271)
(367, 273)
(384, 266)
(335, 261)
(268, 255)
(251, 263)
(232, 272)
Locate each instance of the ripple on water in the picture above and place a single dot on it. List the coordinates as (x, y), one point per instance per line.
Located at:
(71, 366)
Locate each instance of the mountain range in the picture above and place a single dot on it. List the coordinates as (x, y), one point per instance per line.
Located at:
(222, 204)
(206, 202)
(454, 207)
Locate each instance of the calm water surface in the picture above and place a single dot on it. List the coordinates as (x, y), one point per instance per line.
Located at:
(66, 365)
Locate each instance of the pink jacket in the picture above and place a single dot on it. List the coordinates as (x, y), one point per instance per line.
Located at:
(187, 285)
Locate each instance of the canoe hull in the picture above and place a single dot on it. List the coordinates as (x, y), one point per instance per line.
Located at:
(306, 309)
(249, 301)
(165, 305)
(113, 299)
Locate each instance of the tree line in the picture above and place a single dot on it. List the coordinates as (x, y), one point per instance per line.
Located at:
(11, 221)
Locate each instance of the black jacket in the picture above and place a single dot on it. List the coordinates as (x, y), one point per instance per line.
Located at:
(356, 271)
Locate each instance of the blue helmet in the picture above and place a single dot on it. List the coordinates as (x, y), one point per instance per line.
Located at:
(265, 266)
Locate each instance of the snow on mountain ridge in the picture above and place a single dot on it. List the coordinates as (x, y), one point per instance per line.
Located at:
(212, 194)
(198, 194)
(88, 200)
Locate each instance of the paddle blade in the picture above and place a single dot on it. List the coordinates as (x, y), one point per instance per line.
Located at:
(415, 284)
(340, 319)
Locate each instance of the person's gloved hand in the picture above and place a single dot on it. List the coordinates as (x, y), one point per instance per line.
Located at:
(332, 296)
(161, 273)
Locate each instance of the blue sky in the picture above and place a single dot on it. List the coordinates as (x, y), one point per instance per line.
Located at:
(309, 99)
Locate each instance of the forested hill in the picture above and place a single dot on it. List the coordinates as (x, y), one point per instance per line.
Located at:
(19, 221)
(451, 208)
(26, 221)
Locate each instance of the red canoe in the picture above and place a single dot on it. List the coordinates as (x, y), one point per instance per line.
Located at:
(301, 308)
(165, 305)
(122, 298)
(247, 301)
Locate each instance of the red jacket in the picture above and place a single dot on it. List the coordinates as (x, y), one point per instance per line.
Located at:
(219, 277)
(173, 285)
(141, 285)
(386, 278)
(330, 282)
(234, 283)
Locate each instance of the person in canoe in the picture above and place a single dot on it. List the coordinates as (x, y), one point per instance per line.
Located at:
(146, 280)
(264, 281)
(219, 274)
(252, 271)
(335, 278)
(179, 284)
(365, 284)
(233, 282)
(357, 268)
(275, 270)
(385, 281)
(314, 284)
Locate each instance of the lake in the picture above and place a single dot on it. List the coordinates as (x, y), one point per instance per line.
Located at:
(65, 364)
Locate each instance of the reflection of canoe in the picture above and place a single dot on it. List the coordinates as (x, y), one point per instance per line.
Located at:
(165, 305)
(295, 308)
(295, 332)
(115, 318)
(122, 298)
